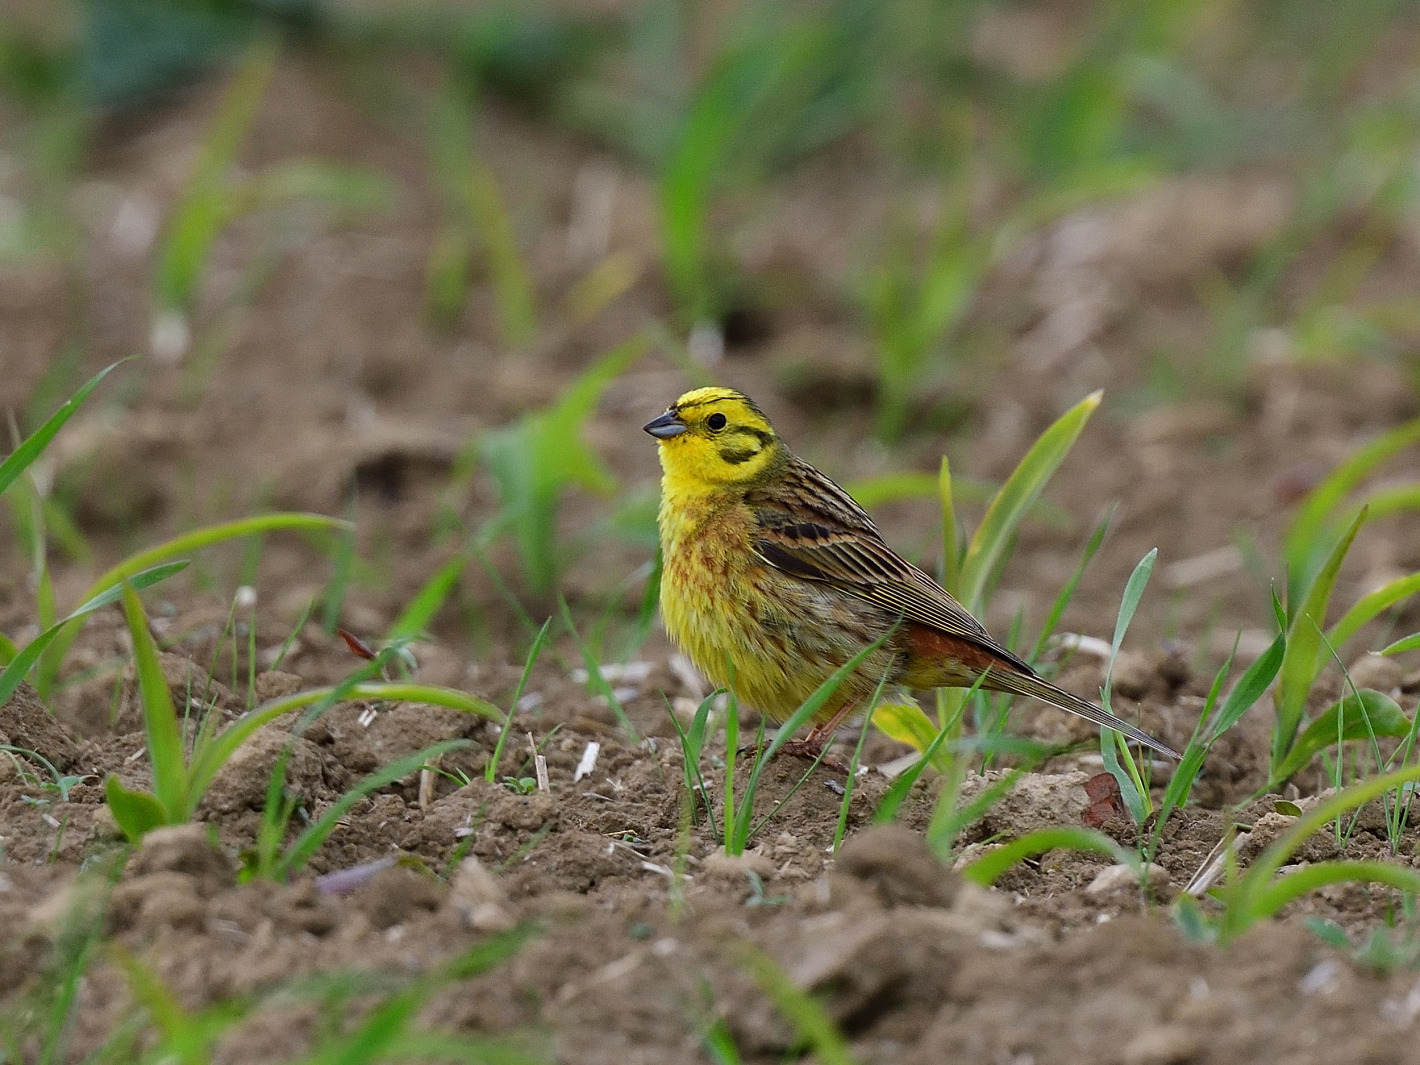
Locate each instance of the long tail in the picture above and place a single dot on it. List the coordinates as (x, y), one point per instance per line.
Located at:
(1038, 688)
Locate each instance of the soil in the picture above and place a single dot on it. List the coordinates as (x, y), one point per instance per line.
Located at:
(643, 935)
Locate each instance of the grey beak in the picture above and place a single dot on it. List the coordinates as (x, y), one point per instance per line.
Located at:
(666, 426)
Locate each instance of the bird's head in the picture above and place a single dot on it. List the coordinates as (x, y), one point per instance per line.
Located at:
(715, 436)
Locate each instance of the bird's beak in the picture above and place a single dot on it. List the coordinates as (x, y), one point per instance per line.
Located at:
(666, 426)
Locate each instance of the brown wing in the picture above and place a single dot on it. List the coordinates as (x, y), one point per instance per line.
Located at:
(812, 528)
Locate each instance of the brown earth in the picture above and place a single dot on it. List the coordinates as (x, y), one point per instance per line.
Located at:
(333, 379)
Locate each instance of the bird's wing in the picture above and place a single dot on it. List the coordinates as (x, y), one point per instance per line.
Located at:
(813, 529)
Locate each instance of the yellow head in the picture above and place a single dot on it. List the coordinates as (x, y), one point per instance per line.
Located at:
(712, 437)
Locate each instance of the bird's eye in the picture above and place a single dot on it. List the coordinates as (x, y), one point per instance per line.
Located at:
(716, 422)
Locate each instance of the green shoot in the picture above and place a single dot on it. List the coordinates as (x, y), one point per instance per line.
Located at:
(475, 211)
(21, 660)
(1305, 655)
(987, 869)
(1253, 684)
(490, 771)
(537, 458)
(741, 829)
(595, 678)
(804, 1012)
(1131, 784)
(1260, 892)
(143, 560)
(179, 784)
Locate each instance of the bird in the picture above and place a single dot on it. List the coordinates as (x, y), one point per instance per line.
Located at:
(773, 577)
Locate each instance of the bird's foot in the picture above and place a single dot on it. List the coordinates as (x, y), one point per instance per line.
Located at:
(814, 750)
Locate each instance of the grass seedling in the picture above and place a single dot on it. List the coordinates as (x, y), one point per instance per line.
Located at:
(1310, 586)
(213, 199)
(55, 788)
(970, 574)
(490, 771)
(281, 867)
(475, 213)
(46, 677)
(595, 678)
(1213, 722)
(987, 869)
(179, 782)
(740, 826)
(1259, 892)
(22, 659)
(1389, 948)
(815, 1027)
(915, 306)
(536, 459)
(763, 99)
(1132, 786)
(692, 747)
(853, 763)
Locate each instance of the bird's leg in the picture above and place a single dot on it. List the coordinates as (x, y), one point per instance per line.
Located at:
(819, 737)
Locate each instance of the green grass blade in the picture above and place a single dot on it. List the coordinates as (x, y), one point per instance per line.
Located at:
(800, 717)
(1303, 658)
(1376, 715)
(20, 459)
(137, 812)
(426, 603)
(951, 551)
(160, 723)
(1255, 881)
(594, 675)
(804, 1012)
(1112, 745)
(490, 771)
(21, 661)
(188, 542)
(1250, 688)
(990, 545)
(309, 841)
(1129, 603)
(1407, 643)
(1368, 606)
(1315, 514)
(215, 754)
(987, 869)
(948, 821)
(1298, 883)
(204, 208)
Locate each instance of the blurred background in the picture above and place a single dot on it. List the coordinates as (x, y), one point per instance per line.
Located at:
(432, 266)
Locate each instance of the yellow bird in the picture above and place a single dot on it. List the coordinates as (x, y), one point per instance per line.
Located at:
(774, 578)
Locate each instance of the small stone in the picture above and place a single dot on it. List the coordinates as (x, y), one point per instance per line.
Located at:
(1123, 878)
(1161, 1044)
(732, 868)
(479, 898)
(184, 849)
(895, 865)
(274, 684)
(1133, 675)
(105, 826)
(1377, 672)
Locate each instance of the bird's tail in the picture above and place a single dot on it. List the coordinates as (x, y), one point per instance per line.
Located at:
(1039, 688)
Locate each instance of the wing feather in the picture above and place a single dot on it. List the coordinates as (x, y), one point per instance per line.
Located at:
(820, 533)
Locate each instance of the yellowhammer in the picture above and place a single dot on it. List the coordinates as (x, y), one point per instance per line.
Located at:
(774, 578)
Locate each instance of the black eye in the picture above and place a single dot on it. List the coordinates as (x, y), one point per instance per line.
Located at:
(716, 422)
